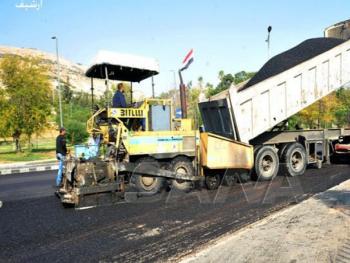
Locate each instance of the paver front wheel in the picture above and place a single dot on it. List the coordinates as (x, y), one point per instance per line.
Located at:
(147, 183)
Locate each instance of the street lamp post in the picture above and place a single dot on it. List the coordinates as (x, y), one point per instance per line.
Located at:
(175, 87)
(174, 73)
(153, 95)
(268, 41)
(58, 81)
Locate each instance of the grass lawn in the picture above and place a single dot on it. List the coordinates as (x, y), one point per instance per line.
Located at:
(26, 156)
(41, 149)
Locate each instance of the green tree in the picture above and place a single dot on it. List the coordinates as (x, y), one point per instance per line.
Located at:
(4, 129)
(193, 99)
(226, 81)
(76, 112)
(26, 96)
(112, 89)
(67, 93)
(200, 81)
(221, 75)
(242, 76)
(209, 89)
(321, 114)
(76, 132)
(342, 113)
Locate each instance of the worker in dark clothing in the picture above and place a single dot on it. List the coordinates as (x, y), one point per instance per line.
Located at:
(61, 152)
(119, 98)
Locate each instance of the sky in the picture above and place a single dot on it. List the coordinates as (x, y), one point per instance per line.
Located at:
(225, 35)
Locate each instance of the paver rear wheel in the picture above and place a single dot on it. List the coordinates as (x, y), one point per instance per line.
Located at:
(182, 165)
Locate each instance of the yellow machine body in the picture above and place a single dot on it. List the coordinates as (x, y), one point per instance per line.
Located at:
(161, 142)
(179, 139)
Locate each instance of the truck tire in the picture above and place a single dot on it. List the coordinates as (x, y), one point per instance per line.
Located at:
(145, 183)
(266, 163)
(243, 177)
(293, 160)
(229, 179)
(213, 181)
(182, 165)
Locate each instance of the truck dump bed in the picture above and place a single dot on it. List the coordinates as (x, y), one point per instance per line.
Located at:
(285, 85)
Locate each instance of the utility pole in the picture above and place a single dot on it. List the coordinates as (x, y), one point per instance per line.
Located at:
(153, 95)
(58, 81)
(175, 88)
(174, 73)
(268, 41)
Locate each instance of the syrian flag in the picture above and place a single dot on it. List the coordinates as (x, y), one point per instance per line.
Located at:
(187, 61)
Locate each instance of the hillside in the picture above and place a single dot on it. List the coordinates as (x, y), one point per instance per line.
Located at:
(71, 72)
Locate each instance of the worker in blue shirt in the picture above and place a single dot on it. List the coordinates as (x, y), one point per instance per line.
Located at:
(119, 98)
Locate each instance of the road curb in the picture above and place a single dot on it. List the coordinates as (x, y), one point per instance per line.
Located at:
(287, 223)
(16, 169)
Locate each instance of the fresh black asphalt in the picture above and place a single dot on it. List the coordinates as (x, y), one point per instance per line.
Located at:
(34, 227)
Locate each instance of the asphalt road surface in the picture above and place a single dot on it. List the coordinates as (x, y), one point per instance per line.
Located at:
(35, 227)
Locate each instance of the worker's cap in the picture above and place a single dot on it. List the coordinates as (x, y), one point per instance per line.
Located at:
(62, 129)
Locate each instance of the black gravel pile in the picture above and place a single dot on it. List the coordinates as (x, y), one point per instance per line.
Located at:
(306, 50)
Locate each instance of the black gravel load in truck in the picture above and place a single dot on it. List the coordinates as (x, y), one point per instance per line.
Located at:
(304, 51)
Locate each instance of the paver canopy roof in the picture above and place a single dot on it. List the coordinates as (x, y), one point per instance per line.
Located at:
(123, 67)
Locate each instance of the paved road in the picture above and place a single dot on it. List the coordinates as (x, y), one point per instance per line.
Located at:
(35, 227)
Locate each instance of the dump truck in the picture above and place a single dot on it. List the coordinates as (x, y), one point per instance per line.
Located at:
(144, 147)
(255, 113)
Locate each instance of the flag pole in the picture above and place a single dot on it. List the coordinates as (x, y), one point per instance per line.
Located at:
(183, 97)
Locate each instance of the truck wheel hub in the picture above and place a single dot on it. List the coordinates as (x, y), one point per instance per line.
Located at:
(297, 161)
(267, 163)
(148, 181)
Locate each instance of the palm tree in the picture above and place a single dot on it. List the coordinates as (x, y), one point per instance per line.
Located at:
(200, 81)
(221, 75)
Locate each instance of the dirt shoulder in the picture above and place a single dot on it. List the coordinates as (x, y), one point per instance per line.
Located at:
(316, 230)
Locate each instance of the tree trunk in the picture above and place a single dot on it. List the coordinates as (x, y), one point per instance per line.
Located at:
(18, 145)
(16, 138)
(30, 146)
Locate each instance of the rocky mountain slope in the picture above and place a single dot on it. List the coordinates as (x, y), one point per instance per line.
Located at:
(71, 72)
